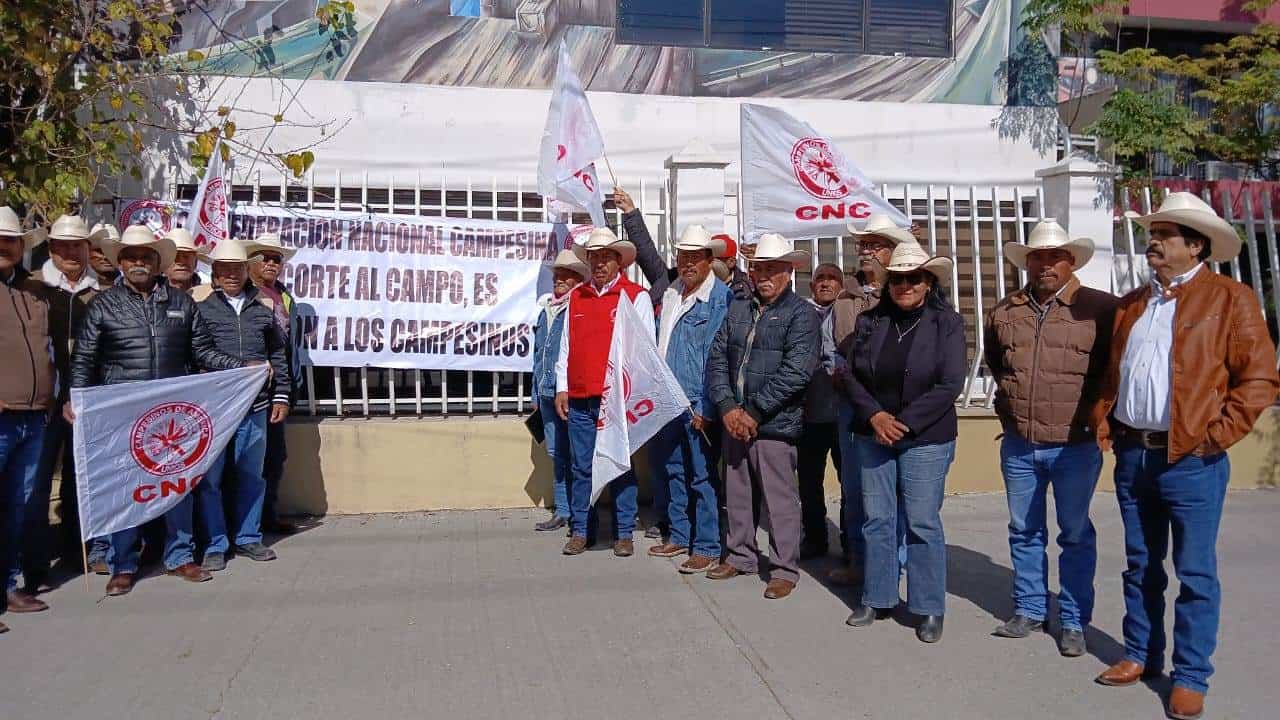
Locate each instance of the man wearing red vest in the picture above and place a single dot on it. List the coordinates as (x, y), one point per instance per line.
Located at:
(580, 371)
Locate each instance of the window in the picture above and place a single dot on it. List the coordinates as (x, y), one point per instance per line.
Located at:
(879, 27)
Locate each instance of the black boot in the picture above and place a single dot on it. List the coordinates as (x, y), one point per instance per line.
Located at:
(930, 629)
(863, 616)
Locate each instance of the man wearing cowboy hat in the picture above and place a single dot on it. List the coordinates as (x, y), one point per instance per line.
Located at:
(568, 272)
(1192, 367)
(761, 361)
(140, 329)
(182, 274)
(682, 459)
(71, 284)
(580, 375)
(267, 257)
(875, 242)
(26, 393)
(1047, 346)
(107, 273)
(242, 323)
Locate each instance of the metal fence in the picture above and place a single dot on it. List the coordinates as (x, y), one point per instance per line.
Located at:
(969, 224)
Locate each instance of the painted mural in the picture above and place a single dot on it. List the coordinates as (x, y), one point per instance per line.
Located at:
(512, 44)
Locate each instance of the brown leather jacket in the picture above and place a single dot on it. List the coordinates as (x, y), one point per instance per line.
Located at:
(26, 369)
(1048, 373)
(1224, 364)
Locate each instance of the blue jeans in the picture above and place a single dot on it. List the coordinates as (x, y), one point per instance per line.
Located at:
(123, 549)
(583, 414)
(21, 442)
(246, 452)
(557, 445)
(681, 461)
(851, 494)
(905, 483)
(1029, 469)
(1185, 498)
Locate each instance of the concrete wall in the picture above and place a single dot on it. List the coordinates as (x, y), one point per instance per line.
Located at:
(364, 466)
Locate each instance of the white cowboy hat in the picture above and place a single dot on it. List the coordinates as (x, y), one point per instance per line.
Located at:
(697, 237)
(1185, 208)
(11, 226)
(231, 250)
(882, 225)
(910, 256)
(773, 247)
(270, 241)
(569, 260)
(74, 227)
(1049, 235)
(141, 236)
(182, 239)
(604, 239)
(107, 234)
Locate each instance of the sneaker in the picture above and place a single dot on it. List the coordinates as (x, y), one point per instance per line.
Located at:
(256, 552)
(214, 562)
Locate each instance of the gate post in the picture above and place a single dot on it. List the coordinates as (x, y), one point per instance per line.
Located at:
(1080, 193)
(696, 178)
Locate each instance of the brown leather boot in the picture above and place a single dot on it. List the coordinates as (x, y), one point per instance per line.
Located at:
(120, 584)
(667, 550)
(1123, 674)
(625, 547)
(191, 572)
(723, 571)
(576, 546)
(21, 602)
(696, 564)
(1185, 704)
(778, 589)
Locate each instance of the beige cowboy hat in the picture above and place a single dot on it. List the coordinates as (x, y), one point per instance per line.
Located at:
(231, 250)
(1185, 208)
(604, 239)
(910, 256)
(141, 236)
(11, 226)
(569, 260)
(772, 247)
(697, 237)
(74, 227)
(1049, 235)
(107, 233)
(882, 225)
(270, 241)
(182, 239)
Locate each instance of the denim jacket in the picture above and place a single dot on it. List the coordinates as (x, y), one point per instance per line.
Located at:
(546, 348)
(690, 343)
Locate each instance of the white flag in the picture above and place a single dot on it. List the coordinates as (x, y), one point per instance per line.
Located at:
(207, 219)
(797, 183)
(141, 448)
(640, 396)
(571, 143)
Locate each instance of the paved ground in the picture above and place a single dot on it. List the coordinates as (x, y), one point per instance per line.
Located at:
(472, 615)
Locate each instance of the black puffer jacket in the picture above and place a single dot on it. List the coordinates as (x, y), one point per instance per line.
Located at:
(780, 344)
(251, 335)
(127, 338)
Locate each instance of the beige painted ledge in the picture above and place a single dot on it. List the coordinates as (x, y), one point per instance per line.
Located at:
(347, 466)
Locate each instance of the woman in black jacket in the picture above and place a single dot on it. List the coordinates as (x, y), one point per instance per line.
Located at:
(908, 366)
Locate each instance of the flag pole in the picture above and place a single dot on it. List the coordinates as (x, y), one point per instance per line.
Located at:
(84, 557)
(609, 167)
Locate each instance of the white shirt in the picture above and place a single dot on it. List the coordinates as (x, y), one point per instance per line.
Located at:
(53, 277)
(237, 302)
(1146, 377)
(674, 307)
(642, 303)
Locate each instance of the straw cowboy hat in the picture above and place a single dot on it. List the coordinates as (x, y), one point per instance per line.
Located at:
(270, 242)
(604, 239)
(11, 226)
(568, 260)
(1049, 235)
(772, 247)
(882, 225)
(1185, 208)
(182, 239)
(232, 250)
(910, 256)
(108, 234)
(697, 237)
(74, 227)
(141, 236)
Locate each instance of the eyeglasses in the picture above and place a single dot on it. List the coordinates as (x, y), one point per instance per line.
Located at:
(273, 259)
(911, 278)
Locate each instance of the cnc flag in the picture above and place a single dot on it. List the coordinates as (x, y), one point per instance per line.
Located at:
(141, 448)
(640, 396)
(571, 143)
(207, 220)
(797, 183)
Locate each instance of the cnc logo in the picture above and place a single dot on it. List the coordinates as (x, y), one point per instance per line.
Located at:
(170, 438)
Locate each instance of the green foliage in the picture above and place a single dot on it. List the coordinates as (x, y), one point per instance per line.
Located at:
(77, 79)
(1071, 16)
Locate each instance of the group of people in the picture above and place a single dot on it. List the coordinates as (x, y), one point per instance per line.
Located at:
(108, 308)
(867, 371)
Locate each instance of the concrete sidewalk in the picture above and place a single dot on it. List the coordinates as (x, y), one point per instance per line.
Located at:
(473, 615)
